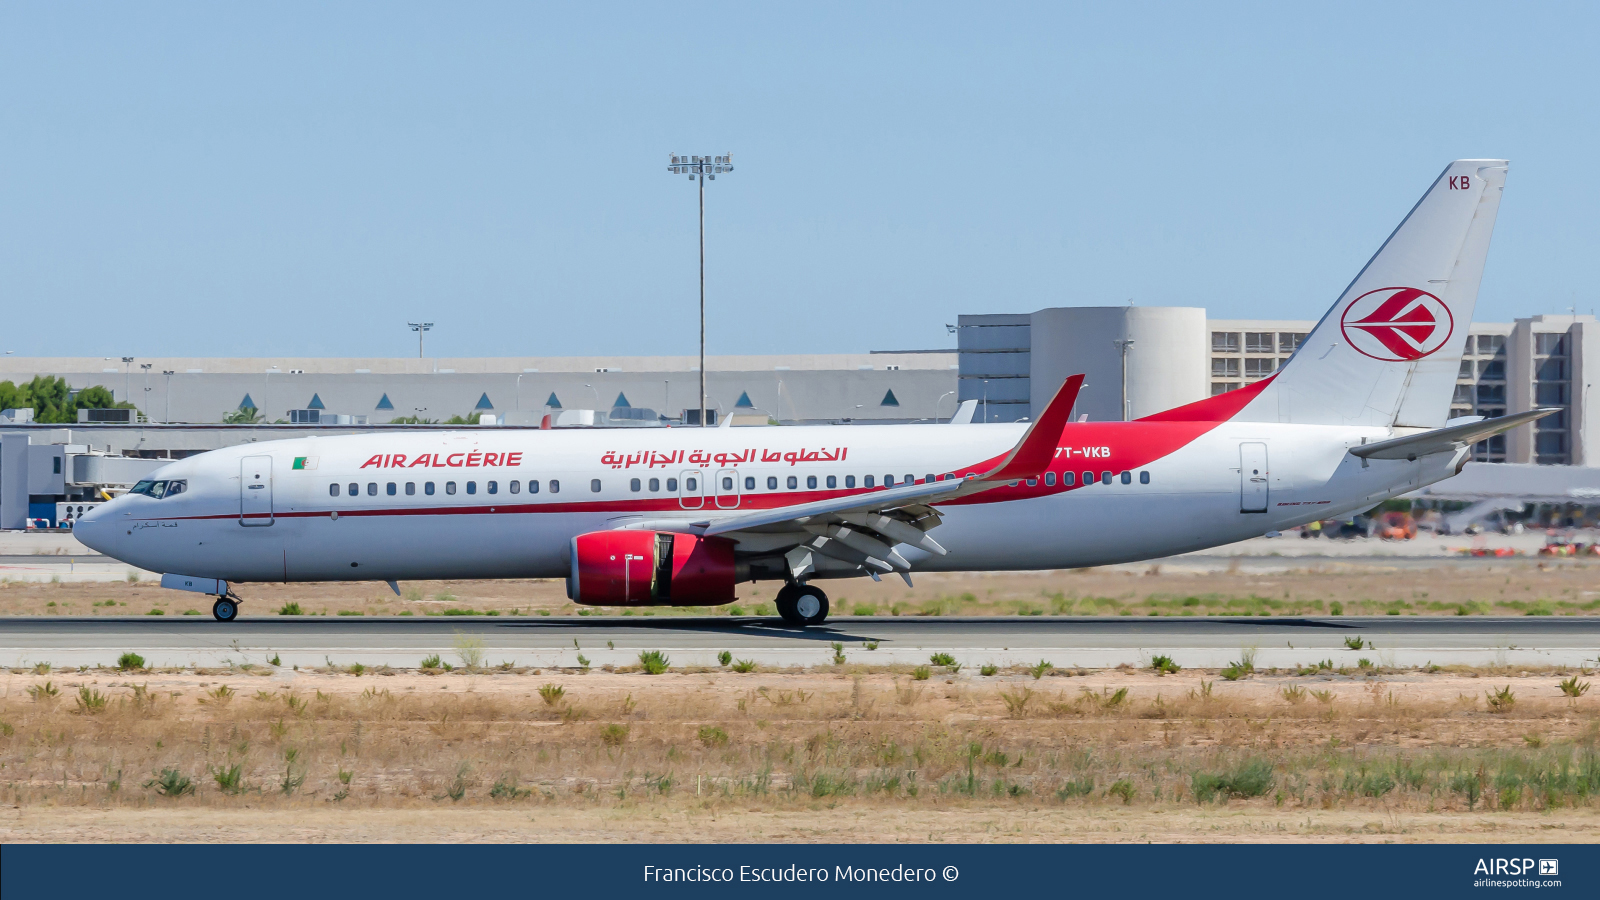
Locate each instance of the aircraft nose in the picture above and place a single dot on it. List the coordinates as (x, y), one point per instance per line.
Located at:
(94, 531)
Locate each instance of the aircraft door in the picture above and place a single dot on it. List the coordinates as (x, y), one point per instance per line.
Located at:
(1252, 478)
(691, 490)
(255, 490)
(727, 489)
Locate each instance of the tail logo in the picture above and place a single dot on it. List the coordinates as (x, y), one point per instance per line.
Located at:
(1397, 324)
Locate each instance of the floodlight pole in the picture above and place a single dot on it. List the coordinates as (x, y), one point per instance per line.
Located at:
(421, 328)
(1123, 346)
(700, 168)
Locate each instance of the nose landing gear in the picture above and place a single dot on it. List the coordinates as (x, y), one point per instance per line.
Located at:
(226, 609)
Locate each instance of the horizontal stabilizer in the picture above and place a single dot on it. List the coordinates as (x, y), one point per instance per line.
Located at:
(1445, 440)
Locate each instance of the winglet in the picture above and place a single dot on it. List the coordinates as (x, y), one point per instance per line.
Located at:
(1033, 453)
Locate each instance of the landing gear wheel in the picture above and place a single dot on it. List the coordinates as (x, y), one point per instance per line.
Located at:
(802, 604)
(226, 609)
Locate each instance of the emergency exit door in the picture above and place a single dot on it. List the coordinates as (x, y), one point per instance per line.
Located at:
(1252, 478)
(255, 490)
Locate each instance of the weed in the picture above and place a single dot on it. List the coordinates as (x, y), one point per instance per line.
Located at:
(90, 701)
(1336, 608)
(1501, 700)
(1163, 665)
(231, 779)
(712, 736)
(43, 692)
(921, 673)
(1574, 688)
(942, 659)
(1251, 778)
(654, 661)
(988, 669)
(470, 651)
(130, 661)
(614, 735)
(871, 645)
(275, 660)
(357, 669)
(551, 693)
(41, 668)
(1037, 671)
(292, 779)
(838, 653)
(1354, 643)
(724, 658)
(1080, 788)
(171, 783)
(745, 665)
(1294, 693)
(432, 662)
(583, 661)
(1017, 702)
(221, 694)
(291, 609)
(1323, 697)
(1233, 672)
(1363, 663)
(505, 788)
(1122, 788)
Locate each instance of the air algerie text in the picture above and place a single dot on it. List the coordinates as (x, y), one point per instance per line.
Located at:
(473, 460)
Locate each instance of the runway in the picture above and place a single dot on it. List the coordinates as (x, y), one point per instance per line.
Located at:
(1194, 642)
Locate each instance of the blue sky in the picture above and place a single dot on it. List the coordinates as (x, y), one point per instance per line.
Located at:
(301, 179)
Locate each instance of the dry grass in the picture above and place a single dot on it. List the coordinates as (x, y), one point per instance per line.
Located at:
(1032, 759)
(1359, 587)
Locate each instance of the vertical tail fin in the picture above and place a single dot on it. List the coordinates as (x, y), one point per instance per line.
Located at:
(1388, 351)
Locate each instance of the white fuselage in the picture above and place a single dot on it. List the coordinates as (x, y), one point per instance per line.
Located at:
(302, 522)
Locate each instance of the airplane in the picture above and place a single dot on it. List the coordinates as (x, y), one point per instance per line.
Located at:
(681, 516)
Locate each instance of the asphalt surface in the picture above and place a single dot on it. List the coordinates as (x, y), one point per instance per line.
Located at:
(558, 641)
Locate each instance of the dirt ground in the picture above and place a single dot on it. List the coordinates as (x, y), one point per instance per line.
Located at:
(1370, 587)
(829, 754)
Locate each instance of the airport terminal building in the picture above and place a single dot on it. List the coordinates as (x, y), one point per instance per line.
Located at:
(1138, 360)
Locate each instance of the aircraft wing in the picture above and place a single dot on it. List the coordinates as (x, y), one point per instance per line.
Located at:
(864, 529)
(1444, 440)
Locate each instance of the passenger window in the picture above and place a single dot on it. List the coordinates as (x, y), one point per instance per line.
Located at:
(1144, 477)
(691, 484)
(391, 489)
(727, 483)
(533, 485)
(1049, 479)
(449, 487)
(849, 481)
(672, 485)
(333, 490)
(1126, 478)
(635, 485)
(866, 481)
(811, 481)
(555, 486)
(493, 487)
(472, 487)
(832, 482)
(655, 485)
(411, 488)
(1069, 478)
(888, 481)
(1033, 482)
(772, 483)
(352, 489)
(515, 487)
(793, 482)
(1105, 477)
(427, 488)
(749, 484)
(1088, 478)
(372, 489)
(594, 485)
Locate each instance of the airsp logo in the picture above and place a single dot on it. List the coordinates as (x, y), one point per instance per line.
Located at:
(1397, 324)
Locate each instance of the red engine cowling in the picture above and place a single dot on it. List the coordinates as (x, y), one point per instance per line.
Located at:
(649, 568)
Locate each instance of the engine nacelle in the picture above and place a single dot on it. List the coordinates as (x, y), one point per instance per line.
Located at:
(649, 568)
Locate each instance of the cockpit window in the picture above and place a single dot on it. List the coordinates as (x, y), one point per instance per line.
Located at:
(159, 489)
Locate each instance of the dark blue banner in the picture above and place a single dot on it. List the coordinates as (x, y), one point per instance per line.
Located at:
(127, 872)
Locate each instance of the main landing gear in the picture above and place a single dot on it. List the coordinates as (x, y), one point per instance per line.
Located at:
(802, 604)
(226, 609)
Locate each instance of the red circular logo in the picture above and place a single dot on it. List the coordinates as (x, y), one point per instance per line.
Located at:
(1397, 324)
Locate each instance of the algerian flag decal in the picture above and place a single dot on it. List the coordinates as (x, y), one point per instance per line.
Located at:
(304, 462)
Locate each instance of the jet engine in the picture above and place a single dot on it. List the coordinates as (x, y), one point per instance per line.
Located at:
(648, 568)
